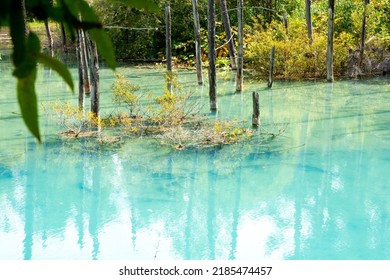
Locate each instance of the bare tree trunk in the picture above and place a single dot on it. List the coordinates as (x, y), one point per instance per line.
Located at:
(198, 43)
(63, 38)
(240, 59)
(256, 110)
(49, 38)
(85, 58)
(168, 46)
(229, 35)
(308, 21)
(329, 56)
(211, 56)
(23, 3)
(363, 35)
(80, 71)
(271, 67)
(94, 68)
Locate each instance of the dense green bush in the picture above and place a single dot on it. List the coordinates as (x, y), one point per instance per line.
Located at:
(295, 58)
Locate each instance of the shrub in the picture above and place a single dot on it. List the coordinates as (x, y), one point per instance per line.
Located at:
(295, 57)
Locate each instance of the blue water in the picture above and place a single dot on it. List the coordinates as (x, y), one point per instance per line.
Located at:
(319, 191)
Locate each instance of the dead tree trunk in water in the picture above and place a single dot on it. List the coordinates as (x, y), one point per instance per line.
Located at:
(198, 43)
(308, 21)
(229, 35)
(63, 38)
(329, 53)
(80, 71)
(240, 59)
(329, 56)
(94, 68)
(363, 35)
(211, 56)
(85, 58)
(49, 38)
(168, 46)
(256, 110)
(271, 67)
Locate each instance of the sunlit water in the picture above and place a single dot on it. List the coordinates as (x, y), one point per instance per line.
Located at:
(318, 191)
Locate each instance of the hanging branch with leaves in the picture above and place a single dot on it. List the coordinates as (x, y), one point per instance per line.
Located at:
(74, 15)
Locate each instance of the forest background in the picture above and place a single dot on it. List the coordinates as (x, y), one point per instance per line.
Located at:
(299, 31)
(297, 56)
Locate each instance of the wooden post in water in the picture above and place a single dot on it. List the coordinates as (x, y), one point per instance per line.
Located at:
(168, 46)
(271, 66)
(329, 53)
(229, 35)
(308, 21)
(240, 59)
(80, 71)
(363, 35)
(256, 110)
(198, 43)
(211, 56)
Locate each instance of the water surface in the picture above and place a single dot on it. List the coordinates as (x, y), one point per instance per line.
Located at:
(318, 191)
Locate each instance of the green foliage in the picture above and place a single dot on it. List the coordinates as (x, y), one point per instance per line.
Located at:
(148, 5)
(171, 118)
(124, 92)
(295, 58)
(142, 34)
(73, 14)
(75, 122)
(28, 102)
(348, 17)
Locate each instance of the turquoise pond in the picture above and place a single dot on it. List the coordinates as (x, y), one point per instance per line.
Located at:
(321, 190)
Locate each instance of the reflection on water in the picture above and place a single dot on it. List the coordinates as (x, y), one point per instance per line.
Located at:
(320, 191)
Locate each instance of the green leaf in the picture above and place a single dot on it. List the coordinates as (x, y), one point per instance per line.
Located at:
(71, 6)
(33, 43)
(104, 46)
(148, 5)
(29, 62)
(57, 66)
(102, 40)
(87, 13)
(28, 102)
